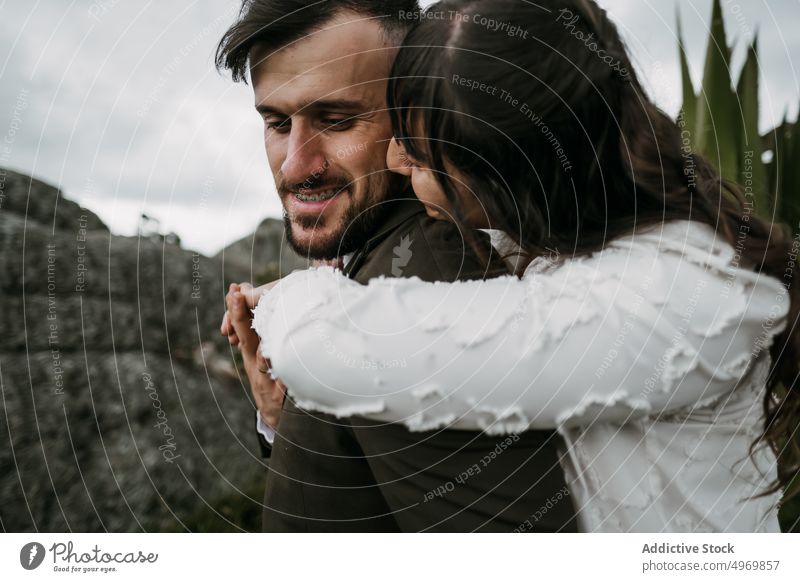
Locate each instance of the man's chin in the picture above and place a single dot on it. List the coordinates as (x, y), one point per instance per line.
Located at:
(314, 243)
(338, 231)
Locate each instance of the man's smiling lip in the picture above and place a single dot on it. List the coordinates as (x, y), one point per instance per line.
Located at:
(315, 205)
(315, 191)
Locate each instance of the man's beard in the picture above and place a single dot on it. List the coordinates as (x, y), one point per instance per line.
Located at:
(359, 223)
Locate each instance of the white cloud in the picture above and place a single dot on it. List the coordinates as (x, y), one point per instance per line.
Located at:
(126, 112)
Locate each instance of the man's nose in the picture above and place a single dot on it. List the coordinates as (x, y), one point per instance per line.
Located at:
(305, 156)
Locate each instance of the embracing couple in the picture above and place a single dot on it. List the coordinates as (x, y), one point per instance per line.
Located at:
(528, 311)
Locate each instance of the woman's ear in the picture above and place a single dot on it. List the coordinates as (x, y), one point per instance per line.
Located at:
(395, 158)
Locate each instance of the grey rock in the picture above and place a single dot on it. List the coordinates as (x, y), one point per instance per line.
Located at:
(40, 202)
(255, 254)
(123, 408)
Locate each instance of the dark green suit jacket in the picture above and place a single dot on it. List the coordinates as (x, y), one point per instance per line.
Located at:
(330, 474)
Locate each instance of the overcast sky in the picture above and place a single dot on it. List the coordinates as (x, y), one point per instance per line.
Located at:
(118, 102)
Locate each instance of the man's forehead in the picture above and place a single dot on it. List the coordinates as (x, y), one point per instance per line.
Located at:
(315, 91)
(333, 63)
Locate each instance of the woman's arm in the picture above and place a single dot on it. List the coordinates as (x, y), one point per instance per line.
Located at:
(616, 337)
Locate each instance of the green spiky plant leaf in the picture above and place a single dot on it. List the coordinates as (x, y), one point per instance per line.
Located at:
(773, 144)
(718, 124)
(689, 108)
(723, 123)
(752, 174)
(787, 175)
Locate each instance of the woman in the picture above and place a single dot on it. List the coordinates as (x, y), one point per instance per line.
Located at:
(654, 319)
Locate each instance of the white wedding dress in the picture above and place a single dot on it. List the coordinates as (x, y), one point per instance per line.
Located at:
(649, 357)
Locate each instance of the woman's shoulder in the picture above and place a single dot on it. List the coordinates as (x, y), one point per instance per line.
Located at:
(695, 250)
(693, 239)
(665, 263)
(682, 240)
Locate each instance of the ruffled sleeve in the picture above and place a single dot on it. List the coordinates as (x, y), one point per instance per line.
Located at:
(653, 323)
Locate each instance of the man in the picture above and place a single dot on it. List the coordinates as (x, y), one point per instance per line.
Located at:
(319, 75)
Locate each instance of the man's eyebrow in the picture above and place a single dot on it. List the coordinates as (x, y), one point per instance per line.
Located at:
(319, 105)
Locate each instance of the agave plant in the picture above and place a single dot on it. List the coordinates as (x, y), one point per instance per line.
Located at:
(783, 144)
(722, 124)
(722, 121)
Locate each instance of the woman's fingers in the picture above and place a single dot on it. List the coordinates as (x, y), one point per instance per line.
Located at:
(223, 328)
(253, 294)
(240, 320)
(260, 361)
(236, 323)
(226, 328)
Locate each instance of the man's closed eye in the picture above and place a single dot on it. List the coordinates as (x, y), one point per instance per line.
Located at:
(278, 125)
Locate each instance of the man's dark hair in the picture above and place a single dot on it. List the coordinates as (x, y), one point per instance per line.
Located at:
(275, 23)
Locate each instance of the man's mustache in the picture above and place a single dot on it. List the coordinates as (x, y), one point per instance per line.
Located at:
(311, 184)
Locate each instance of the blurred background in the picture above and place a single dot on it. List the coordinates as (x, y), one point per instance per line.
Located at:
(134, 187)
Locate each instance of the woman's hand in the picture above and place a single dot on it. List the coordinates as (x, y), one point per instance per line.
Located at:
(268, 394)
(252, 296)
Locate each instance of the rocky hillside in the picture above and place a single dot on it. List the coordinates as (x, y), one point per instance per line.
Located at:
(263, 255)
(122, 406)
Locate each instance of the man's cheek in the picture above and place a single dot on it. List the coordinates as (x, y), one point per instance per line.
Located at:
(275, 159)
